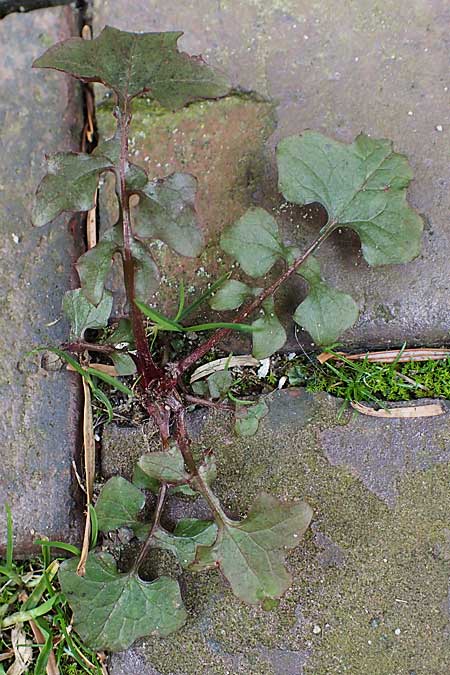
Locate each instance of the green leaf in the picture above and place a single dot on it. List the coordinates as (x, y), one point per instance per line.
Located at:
(70, 185)
(325, 313)
(167, 466)
(133, 63)
(230, 296)
(166, 211)
(247, 418)
(118, 504)
(146, 274)
(188, 535)
(112, 381)
(219, 383)
(243, 327)
(124, 363)
(82, 315)
(144, 481)
(254, 240)
(361, 185)
(269, 335)
(250, 553)
(123, 333)
(93, 268)
(136, 178)
(112, 610)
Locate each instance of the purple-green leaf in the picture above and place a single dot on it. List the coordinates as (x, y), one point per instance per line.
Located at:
(133, 63)
(70, 185)
(112, 610)
(251, 553)
(166, 211)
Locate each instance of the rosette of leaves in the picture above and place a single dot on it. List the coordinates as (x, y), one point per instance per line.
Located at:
(362, 186)
(112, 609)
(129, 64)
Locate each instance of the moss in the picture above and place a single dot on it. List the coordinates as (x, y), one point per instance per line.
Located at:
(363, 573)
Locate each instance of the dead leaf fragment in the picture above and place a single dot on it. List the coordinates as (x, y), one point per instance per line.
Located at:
(389, 356)
(428, 410)
(23, 652)
(220, 364)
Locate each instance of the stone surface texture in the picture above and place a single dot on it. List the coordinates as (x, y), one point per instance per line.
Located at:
(339, 68)
(40, 112)
(371, 577)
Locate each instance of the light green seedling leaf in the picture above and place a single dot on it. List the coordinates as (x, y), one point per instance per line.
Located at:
(361, 185)
(231, 295)
(166, 211)
(325, 313)
(251, 553)
(248, 417)
(167, 466)
(112, 610)
(118, 504)
(188, 535)
(133, 63)
(83, 315)
(269, 335)
(219, 383)
(254, 240)
(70, 185)
(136, 178)
(124, 364)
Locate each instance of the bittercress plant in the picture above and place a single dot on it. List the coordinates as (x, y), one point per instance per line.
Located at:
(361, 185)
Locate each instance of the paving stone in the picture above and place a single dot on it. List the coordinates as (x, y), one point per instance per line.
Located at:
(370, 579)
(337, 68)
(40, 112)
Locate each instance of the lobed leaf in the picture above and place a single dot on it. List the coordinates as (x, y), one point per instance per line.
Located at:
(250, 553)
(362, 186)
(254, 240)
(188, 535)
(166, 211)
(269, 334)
(70, 185)
(112, 610)
(83, 315)
(133, 63)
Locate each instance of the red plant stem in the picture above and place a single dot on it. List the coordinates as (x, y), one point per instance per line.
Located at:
(147, 368)
(220, 334)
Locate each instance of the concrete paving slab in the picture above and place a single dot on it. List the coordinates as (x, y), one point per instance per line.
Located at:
(338, 68)
(40, 112)
(370, 579)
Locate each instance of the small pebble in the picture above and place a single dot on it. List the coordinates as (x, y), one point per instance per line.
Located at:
(317, 629)
(438, 127)
(397, 631)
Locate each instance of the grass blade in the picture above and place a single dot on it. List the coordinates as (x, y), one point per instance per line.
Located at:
(162, 322)
(109, 379)
(204, 296)
(243, 327)
(180, 302)
(70, 548)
